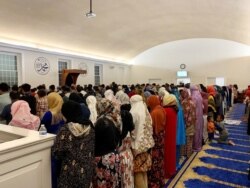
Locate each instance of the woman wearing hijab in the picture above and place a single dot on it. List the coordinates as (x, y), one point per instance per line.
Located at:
(142, 140)
(125, 152)
(124, 100)
(21, 116)
(76, 97)
(53, 119)
(107, 161)
(204, 96)
(199, 124)
(171, 109)
(107, 108)
(211, 102)
(91, 102)
(156, 174)
(190, 118)
(74, 147)
(180, 130)
(109, 94)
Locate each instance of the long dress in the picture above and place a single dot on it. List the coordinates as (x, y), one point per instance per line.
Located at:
(170, 142)
(156, 174)
(107, 171)
(76, 154)
(126, 163)
(198, 135)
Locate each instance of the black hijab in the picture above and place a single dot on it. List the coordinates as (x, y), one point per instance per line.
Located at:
(72, 111)
(107, 136)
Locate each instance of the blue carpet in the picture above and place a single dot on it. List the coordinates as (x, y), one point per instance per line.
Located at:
(238, 134)
(222, 175)
(194, 183)
(242, 131)
(228, 154)
(231, 148)
(241, 142)
(224, 163)
(238, 137)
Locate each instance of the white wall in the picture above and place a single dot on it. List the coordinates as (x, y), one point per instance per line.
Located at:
(111, 71)
(203, 58)
(143, 74)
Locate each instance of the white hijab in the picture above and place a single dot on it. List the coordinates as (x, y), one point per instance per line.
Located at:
(162, 92)
(91, 102)
(109, 94)
(139, 112)
(123, 98)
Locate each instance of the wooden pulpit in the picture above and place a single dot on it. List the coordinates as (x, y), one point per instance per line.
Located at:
(69, 76)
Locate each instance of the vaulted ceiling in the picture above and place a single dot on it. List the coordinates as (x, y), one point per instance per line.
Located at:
(123, 28)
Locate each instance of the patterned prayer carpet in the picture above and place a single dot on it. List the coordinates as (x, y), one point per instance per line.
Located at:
(220, 165)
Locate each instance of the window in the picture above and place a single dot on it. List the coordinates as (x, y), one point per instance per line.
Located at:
(220, 81)
(98, 74)
(62, 64)
(8, 69)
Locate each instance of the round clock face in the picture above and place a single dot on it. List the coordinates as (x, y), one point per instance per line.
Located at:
(42, 65)
(83, 66)
(182, 66)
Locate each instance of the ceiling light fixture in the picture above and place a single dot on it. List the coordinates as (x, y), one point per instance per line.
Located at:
(90, 14)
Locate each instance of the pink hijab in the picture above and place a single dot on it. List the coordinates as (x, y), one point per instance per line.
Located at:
(21, 116)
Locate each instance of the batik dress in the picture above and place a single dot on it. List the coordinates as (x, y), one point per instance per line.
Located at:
(126, 163)
(189, 117)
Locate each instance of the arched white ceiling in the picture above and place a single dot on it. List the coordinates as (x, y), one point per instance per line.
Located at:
(192, 52)
(122, 29)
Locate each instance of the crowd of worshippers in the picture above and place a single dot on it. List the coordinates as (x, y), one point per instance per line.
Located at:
(117, 135)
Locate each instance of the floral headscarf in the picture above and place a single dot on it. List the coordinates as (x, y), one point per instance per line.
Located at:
(107, 108)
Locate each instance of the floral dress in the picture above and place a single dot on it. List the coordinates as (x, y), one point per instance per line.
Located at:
(76, 155)
(107, 171)
(126, 163)
(156, 174)
(189, 117)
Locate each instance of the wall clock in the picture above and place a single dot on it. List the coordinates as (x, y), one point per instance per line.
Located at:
(182, 66)
(42, 65)
(83, 66)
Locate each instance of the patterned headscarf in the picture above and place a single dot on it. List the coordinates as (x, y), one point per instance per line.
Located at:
(185, 94)
(21, 116)
(107, 108)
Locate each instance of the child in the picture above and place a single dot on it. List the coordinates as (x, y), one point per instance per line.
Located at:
(210, 128)
(223, 138)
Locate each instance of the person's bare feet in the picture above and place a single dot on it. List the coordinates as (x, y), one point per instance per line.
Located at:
(230, 142)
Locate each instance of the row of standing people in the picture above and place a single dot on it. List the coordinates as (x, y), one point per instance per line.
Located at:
(136, 143)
